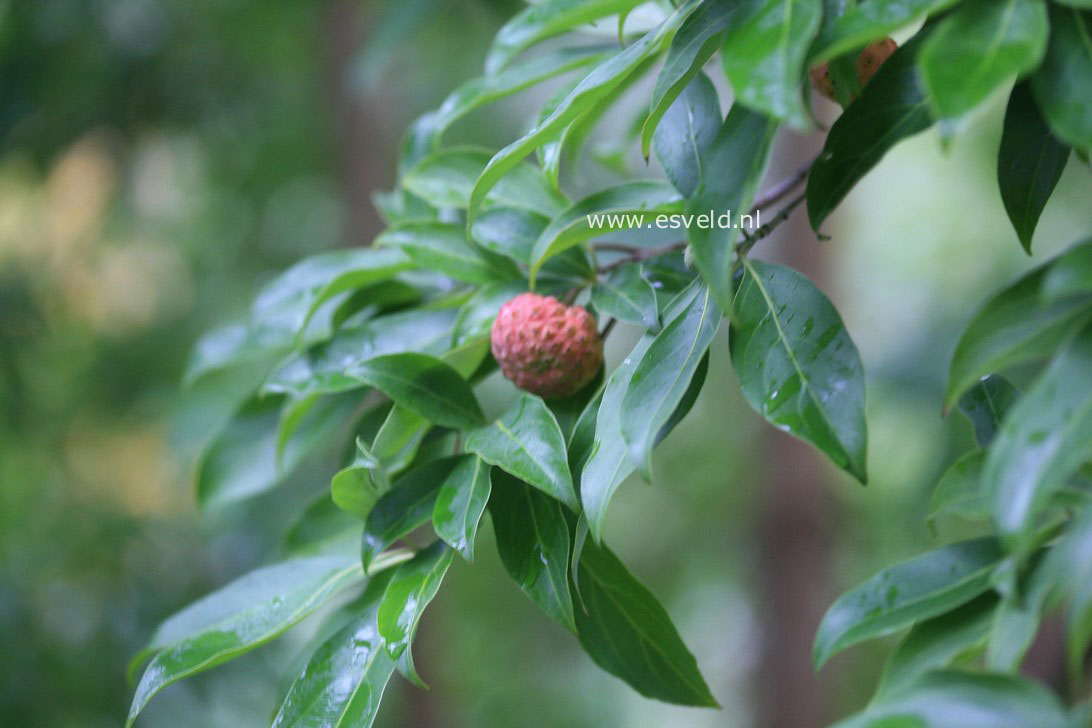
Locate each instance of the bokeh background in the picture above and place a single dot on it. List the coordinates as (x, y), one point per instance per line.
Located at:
(161, 159)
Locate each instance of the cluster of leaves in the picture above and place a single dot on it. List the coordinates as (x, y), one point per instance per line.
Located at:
(386, 345)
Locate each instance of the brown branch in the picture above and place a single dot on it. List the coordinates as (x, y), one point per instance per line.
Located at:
(782, 189)
(750, 239)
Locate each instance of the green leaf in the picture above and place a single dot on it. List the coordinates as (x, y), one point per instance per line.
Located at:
(444, 248)
(625, 206)
(595, 87)
(1070, 562)
(959, 491)
(478, 313)
(544, 20)
(446, 177)
(582, 436)
(344, 679)
(320, 526)
(533, 543)
(985, 405)
(954, 699)
(424, 385)
(763, 57)
(915, 590)
(695, 43)
(356, 487)
(527, 442)
(1018, 616)
(732, 168)
(869, 21)
(797, 365)
(245, 614)
(981, 46)
(1043, 441)
(1063, 83)
(688, 126)
(661, 379)
(628, 633)
(407, 506)
(687, 402)
(567, 410)
(625, 294)
(937, 643)
(1014, 326)
(891, 108)
(460, 503)
(512, 233)
(1030, 162)
(410, 590)
(1070, 274)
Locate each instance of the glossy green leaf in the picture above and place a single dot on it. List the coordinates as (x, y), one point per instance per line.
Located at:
(982, 46)
(1070, 274)
(625, 294)
(596, 86)
(625, 206)
(1070, 562)
(513, 233)
(937, 643)
(1019, 614)
(732, 168)
(460, 503)
(407, 506)
(662, 377)
(478, 313)
(763, 57)
(567, 410)
(954, 699)
(446, 177)
(356, 487)
(915, 590)
(1044, 440)
(890, 108)
(527, 442)
(319, 528)
(444, 248)
(412, 587)
(544, 20)
(985, 404)
(424, 385)
(628, 633)
(959, 491)
(1063, 83)
(533, 542)
(869, 21)
(343, 680)
(690, 396)
(1014, 326)
(688, 126)
(797, 365)
(582, 436)
(693, 45)
(239, 617)
(396, 443)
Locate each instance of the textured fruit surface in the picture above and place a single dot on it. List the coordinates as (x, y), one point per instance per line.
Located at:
(868, 62)
(546, 347)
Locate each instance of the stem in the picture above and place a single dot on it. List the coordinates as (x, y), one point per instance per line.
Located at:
(782, 189)
(638, 254)
(749, 239)
(607, 329)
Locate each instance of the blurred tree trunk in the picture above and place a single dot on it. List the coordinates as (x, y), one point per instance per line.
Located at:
(793, 529)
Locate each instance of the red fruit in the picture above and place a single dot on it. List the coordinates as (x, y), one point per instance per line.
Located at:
(546, 347)
(868, 62)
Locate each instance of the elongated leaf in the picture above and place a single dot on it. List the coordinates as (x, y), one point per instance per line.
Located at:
(513, 233)
(356, 487)
(1063, 83)
(408, 505)
(663, 376)
(344, 679)
(937, 643)
(446, 177)
(891, 108)
(424, 385)
(533, 542)
(234, 620)
(527, 442)
(797, 365)
(985, 404)
(1012, 327)
(460, 504)
(1070, 274)
(544, 20)
(596, 86)
(410, 590)
(1043, 441)
(915, 590)
(980, 47)
(869, 21)
(628, 633)
(763, 57)
(954, 699)
(627, 295)
(688, 126)
(444, 248)
(959, 491)
(628, 205)
(695, 43)
(732, 168)
(320, 527)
